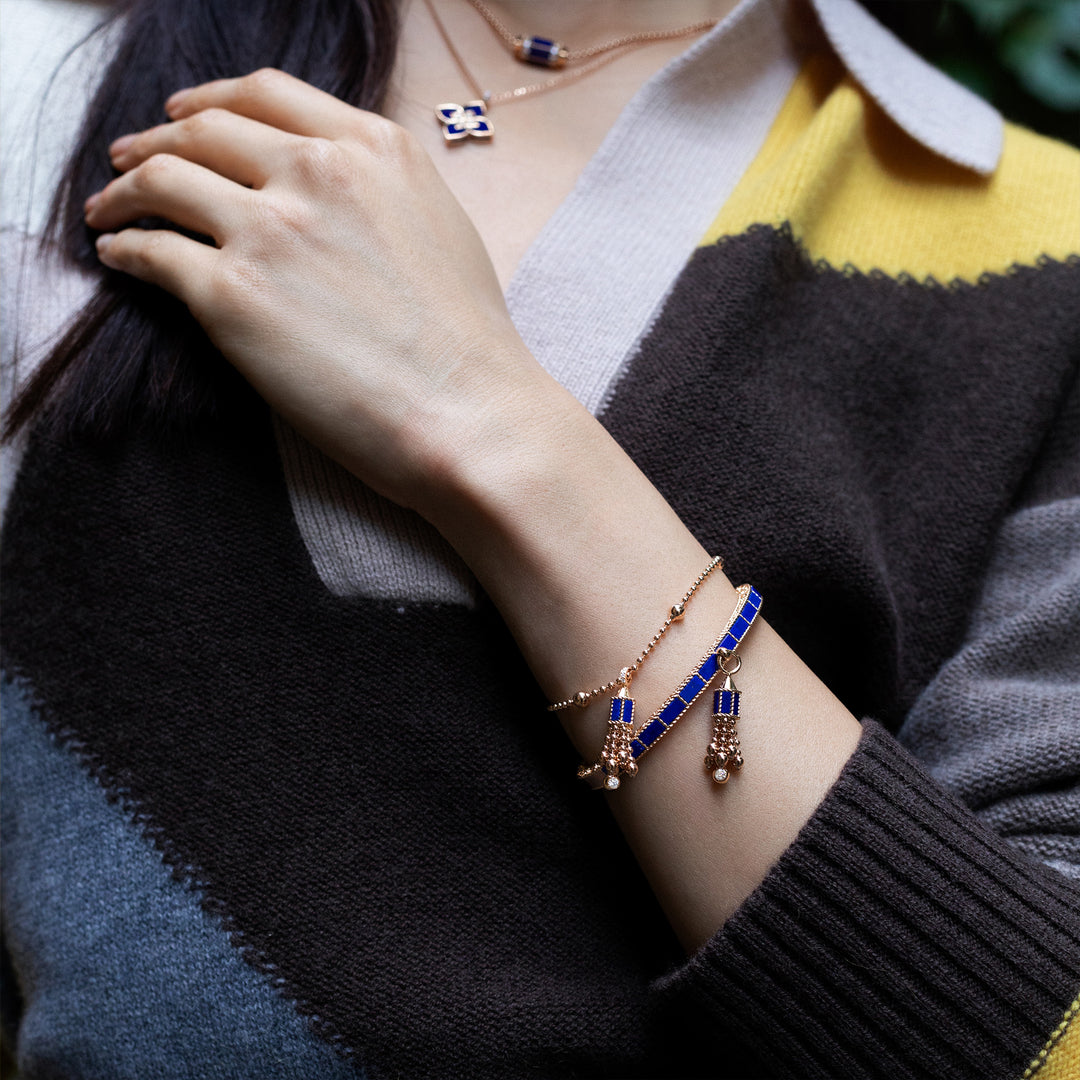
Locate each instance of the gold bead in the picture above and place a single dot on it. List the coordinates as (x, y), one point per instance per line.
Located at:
(677, 612)
(581, 699)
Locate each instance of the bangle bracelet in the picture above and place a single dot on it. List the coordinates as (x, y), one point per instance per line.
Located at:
(583, 697)
(623, 748)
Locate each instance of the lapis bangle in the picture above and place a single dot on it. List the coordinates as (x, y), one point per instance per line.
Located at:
(623, 748)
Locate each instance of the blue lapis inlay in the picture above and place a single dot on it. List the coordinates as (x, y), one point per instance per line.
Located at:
(739, 628)
(474, 110)
(622, 709)
(708, 669)
(726, 702)
(651, 732)
(695, 684)
(754, 600)
(672, 711)
(728, 643)
(637, 748)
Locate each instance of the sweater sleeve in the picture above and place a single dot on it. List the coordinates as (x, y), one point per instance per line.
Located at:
(926, 921)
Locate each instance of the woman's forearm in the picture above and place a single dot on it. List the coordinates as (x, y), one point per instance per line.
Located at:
(584, 559)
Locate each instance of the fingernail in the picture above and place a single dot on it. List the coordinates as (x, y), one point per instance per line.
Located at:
(118, 146)
(102, 243)
(176, 100)
(91, 202)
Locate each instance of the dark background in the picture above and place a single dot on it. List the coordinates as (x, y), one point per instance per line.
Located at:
(1023, 56)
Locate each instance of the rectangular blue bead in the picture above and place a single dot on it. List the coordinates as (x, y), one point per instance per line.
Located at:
(651, 732)
(672, 711)
(628, 710)
(715, 702)
(540, 50)
(695, 684)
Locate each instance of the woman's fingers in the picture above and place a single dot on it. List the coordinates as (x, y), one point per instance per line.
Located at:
(162, 257)
(236, 147)
(169, 187)
(277, 99)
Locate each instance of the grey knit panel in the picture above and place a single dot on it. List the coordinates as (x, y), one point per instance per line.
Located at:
(361, 543)
(1000, 723)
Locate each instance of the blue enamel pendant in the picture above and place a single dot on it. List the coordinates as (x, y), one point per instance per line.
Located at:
(464, 121)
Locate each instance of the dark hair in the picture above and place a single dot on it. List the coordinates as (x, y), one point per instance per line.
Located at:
(134, 356)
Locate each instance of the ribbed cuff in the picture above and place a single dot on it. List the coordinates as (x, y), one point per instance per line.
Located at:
(897, 937)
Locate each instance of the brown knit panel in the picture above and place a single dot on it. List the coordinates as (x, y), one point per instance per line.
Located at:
(896, 938)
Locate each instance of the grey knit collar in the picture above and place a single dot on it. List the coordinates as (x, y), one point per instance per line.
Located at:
(944, 116)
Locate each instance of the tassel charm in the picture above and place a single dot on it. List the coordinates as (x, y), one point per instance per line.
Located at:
(723, 753)
(617, 757)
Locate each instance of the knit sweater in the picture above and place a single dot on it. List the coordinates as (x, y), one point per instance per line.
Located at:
(243, 787)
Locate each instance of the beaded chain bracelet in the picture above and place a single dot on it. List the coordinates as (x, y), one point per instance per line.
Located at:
(623, 747)
(583, 697)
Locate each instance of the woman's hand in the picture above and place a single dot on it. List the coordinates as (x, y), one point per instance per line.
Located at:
(346, 282)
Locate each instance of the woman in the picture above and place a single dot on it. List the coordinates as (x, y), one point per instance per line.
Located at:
(334, 738)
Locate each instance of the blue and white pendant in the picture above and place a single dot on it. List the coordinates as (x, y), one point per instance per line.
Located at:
(464, 121)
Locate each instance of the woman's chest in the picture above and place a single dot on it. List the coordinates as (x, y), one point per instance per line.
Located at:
(512, 185)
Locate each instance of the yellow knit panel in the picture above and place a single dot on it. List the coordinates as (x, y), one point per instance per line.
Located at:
(857, 189)
(1059, 1059)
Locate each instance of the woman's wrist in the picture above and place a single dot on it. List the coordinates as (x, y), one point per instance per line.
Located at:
(584, 558)
(576, 547)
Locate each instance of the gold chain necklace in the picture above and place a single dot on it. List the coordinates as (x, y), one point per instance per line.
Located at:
(532, 49)
(470, 120)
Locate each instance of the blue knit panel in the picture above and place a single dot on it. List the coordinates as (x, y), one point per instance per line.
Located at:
(122, 972)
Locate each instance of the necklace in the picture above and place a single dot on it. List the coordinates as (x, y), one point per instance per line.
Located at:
(470, 120)
(532, 49)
